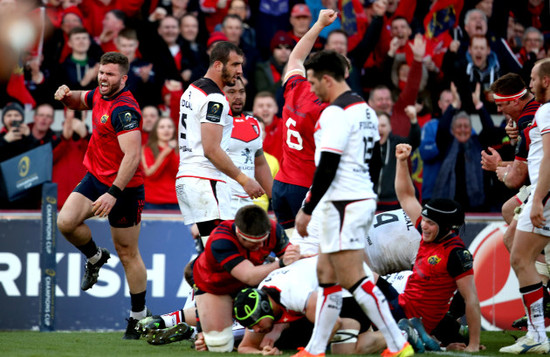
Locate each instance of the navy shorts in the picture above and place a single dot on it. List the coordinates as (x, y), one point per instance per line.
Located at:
(287, 200)
(127, 209)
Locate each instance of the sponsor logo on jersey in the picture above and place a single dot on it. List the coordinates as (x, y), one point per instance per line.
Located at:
(104, 118)
(434, 260)
(247, 156)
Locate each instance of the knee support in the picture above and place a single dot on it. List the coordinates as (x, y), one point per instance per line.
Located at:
(219, 341)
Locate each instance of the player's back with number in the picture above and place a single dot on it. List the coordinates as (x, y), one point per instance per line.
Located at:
(202, 102)
(300, 115)
(349, 127)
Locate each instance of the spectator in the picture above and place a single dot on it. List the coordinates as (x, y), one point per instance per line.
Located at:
(214, 11)
(68, 167)
(150, 115)
(40, 128)
(269, 73)
(532, 48)
(195, 60)
(160, 161)
(265, 107)
(168, 55)
(79, 70)
(232, 27)
(113, 23)
(141, 76)
(241, 9)
(14, 137)
(428, 146)
(300, 20)
(270, 16)
(387, 199)
(460, 177)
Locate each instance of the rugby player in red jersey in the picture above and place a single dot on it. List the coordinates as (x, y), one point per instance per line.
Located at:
(113, 186)
(300, 114)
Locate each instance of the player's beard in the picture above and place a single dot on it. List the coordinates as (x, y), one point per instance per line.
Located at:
(227, 78)
(111, 89)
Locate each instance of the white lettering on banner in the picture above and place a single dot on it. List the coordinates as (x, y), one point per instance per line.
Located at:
(8, 276)
(109, 281)
(48, 301)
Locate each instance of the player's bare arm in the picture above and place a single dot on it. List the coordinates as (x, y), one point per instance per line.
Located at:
(211, 139)
(262, 173)
(71, 99)
(514, 175)
(303, 47)
(467, 289)
(403, 185)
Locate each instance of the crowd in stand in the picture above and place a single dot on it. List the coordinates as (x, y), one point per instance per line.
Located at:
(425, 68)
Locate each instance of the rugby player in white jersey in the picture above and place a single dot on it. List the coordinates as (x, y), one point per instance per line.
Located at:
(204, 131)
(245, 147)
(533, 227)
(342, 196)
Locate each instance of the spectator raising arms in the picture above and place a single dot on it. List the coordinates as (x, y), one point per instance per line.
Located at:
(160, 161)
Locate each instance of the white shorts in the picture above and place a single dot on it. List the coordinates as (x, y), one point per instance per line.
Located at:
(521, 197)
(238, 202)
(308, 245)
(344, 225)
(524, 220)
(199, 203)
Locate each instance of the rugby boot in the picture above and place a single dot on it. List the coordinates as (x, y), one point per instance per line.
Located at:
(526, 344)
(303, 353)
(429, 343)
(179, 332)
(412, 335)
(131, 328)
(92, 270)
(406, 351)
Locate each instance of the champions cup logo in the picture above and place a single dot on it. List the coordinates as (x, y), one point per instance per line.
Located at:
(104, 119)
(50, 272)
(496, 282)
(434, 259)
(51, 200)
(23, 166)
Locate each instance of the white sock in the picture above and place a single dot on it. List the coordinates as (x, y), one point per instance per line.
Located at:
(96, 257)
(375, 306)
(173, 318)
(329, 304)
(139, 315)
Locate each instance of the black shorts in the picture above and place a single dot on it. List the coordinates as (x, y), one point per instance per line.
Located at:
(128, 207)
(287, 200)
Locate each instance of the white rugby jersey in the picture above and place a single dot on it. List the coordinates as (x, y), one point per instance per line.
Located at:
(348, 127)
(202, 102)
(246, 140)
(392, 242)
(540, 126)
(292, 285)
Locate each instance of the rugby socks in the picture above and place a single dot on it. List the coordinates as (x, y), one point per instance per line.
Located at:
(376, 307)
(329, 304)
(138, 305)
(532, 296)
(91, 251)
(173, 318)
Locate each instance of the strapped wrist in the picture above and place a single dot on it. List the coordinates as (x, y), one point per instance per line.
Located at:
(242, 179)
(114, 191)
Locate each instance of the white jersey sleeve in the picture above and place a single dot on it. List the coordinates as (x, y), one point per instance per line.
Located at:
(202, 102)
(540, 126)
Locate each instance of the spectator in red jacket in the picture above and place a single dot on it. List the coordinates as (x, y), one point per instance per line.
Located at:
(160, 162)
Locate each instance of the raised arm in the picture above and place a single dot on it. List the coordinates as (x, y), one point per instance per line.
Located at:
(71, 99)
(404, 188)
(304, 46)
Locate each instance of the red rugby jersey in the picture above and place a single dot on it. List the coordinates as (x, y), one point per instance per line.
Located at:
(110, 118)
(300, 113)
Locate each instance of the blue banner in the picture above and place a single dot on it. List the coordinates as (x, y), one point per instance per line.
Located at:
(47, 256)
(166, 246)
(27, 170)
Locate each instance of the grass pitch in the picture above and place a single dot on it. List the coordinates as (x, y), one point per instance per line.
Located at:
(106, 344)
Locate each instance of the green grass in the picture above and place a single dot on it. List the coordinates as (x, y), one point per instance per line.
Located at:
(106, 344)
